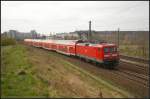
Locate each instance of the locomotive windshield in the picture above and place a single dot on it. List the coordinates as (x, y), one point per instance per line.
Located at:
(113, 49)
(110, 49)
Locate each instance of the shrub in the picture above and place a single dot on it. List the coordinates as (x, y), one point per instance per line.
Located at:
(5, 41)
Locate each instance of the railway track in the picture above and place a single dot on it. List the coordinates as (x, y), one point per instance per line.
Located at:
(141, 76)
(137, 78)
(140, 60)
(133, 67)
(137, 65)
(134, 81)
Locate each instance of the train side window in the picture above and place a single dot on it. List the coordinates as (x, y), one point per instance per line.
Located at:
(87, 44)
(71, 48)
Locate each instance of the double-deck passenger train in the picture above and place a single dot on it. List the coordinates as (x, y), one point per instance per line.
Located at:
(100, 52)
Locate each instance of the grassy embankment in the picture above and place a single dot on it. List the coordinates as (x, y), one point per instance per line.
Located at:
(5, 41)
(134, 50)
(16, 77)
(30, 72)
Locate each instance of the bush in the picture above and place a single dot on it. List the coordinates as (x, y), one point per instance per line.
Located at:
(5, 41)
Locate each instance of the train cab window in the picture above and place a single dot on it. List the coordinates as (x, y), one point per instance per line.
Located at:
(106, 50)
(113, 49)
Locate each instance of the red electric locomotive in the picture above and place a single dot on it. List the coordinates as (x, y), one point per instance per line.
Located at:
(105, 53)
(100, 52)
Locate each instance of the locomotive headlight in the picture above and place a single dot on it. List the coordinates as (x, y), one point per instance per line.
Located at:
(114, 54)
(106, 55)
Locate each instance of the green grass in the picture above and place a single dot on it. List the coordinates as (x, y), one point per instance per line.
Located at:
(5, 41)
(134, 50)
(31, 72)
(14, 60)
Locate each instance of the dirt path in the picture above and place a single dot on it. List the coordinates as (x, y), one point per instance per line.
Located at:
(65, 79)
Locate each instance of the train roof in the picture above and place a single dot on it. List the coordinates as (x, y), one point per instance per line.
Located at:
(65, 42)
(72, 42)
(97, 45)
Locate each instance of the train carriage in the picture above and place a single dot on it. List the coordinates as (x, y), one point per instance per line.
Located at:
(37, 43)
(33, 42)
(66, 46)
(40, 43)
(45, 44)
(27, 41)
(105, 53)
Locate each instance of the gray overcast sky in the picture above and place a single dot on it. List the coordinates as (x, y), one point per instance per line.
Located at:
(67, 16)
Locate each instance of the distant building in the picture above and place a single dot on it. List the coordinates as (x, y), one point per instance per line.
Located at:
(21, 35)
(82, 34)
(12, 33)
(33, 33)
(61, 35)
(74, 34)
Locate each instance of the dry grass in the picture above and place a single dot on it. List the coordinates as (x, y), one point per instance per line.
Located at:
(53, 76)
(60, 76)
